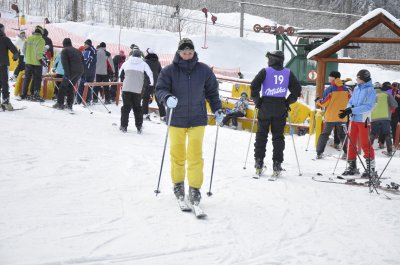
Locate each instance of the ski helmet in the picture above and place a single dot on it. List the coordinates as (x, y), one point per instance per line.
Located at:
(244, 94)
(364, 75)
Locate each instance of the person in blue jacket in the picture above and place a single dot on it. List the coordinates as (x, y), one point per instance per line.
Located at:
(184, 86)
(90, 59)
(359, 108)
(59, 70)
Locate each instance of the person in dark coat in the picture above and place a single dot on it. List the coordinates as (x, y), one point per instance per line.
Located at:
(152, 60)
(274, 82)
(5, 46)
(48, 42)
(184, 86)
(90, 59)
(72, 62)
(118, 60)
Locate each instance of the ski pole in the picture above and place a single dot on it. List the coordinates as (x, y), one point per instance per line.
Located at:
(101, 101)
(251, 134)
(157, 191)
(340, 153)
(390, 159)
(77, 92)
(209, 193)
(294, 146)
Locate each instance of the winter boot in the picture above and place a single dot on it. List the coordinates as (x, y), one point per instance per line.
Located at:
(319, 156)
(351, 168)
(123, 129)
(58, 106)
(259, 165)
(194, 196)
(277, 166)
(370, 167)
(139, 130)
(6, 105)
(179, 190)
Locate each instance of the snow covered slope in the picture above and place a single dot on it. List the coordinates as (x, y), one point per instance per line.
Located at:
(75, 190)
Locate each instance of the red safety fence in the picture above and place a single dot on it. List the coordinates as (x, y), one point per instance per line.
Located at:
(57, 35)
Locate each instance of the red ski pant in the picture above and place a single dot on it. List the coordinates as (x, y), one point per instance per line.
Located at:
(358, 131)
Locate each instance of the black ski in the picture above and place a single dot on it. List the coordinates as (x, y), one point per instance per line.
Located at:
(352, 182)
(14, 109)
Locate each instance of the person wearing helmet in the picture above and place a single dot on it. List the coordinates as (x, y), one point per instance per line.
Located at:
(359, 108)
(33, 50)
(274, 82)
(239, 110)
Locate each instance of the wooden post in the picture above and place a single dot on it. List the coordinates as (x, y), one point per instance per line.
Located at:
(85, 91)
(117, 94)
(321, 68)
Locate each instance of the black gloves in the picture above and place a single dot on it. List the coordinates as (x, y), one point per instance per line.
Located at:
(258, 102)
(345, 112)
(15, 57)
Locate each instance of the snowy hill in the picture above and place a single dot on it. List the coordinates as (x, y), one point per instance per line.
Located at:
(75, 190)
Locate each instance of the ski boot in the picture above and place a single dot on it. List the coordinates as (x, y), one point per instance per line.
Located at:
(58, 106)
(179, 190)
(194, 196)
(139, 130)
(351, 168)
(319, 156)
(123, 129)
(6, 105)
(276, 169)
(370, 168)
(259, 166)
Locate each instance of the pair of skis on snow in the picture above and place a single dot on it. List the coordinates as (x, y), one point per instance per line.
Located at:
(186, 206)
(392, 188)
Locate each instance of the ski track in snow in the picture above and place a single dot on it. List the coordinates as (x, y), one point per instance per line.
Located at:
(75, 190)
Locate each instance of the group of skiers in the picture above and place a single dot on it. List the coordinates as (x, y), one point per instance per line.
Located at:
(184, 87)
(372, 111)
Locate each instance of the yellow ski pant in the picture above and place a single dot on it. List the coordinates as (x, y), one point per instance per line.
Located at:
(193, 153)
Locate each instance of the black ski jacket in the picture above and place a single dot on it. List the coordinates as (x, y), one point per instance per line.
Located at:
(5, 46)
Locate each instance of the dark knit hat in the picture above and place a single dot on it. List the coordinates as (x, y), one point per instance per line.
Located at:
(39, 29)
(185, 44)
(136, 53)
(102, 44)
(364, 75)
(67, 42)
(45, 32)
(2, 27)
(88, 42)
(334, 74)
(277, 54)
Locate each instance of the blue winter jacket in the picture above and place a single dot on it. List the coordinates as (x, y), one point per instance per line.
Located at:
(90, 59)
(57, 65)
(192, 83)
(362, 102)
